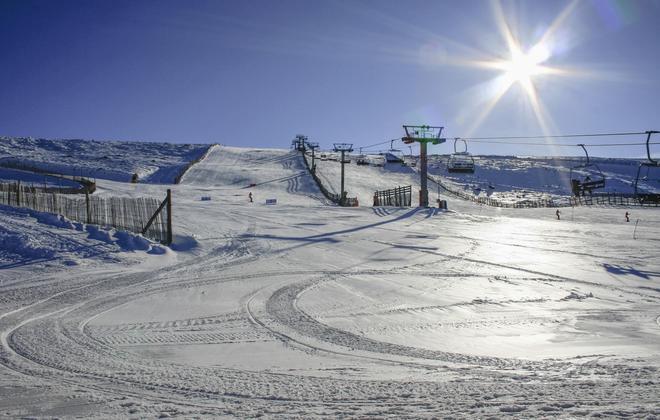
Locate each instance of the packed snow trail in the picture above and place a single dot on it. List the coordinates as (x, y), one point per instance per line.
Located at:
(267, 173)
(303, 309)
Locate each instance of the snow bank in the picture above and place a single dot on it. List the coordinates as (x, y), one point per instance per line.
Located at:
(23, 245)
(28, 236)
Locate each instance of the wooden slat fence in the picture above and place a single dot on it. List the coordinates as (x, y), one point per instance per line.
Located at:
(122, 213)
(398, 197)
(86, 185)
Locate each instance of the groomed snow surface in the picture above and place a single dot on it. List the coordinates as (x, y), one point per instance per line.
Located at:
(304, 309)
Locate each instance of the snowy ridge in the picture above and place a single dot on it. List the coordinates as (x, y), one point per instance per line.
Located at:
(113, 160)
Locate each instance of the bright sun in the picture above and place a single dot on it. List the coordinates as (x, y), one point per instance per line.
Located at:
(523, 66)
(518, 65)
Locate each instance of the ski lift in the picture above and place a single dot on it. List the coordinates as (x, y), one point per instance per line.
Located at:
(393, 155)
(592, 181)
(647, 197)
(361, 158)
(462, 162)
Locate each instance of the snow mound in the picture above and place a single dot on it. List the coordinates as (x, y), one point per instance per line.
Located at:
(22, 245)
(31, 237)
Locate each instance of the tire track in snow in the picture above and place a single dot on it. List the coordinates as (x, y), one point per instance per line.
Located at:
(243, 391)
(282, 306)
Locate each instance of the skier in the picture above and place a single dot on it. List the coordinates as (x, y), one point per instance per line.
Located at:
(250, 196)
(627, 217)
(558, 213)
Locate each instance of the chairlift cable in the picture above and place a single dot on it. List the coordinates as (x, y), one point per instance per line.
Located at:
(487, 140)
(378, 144)
(560, 144)
(557, 136)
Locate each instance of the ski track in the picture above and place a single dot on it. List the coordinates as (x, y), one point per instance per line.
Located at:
(51, 337)
(89, 359)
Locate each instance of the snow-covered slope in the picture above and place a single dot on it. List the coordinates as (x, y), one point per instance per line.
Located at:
(114, 160)
(303, 309)
(267, 173)
(362, 181)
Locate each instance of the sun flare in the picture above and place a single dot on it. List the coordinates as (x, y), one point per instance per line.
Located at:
(518, 65)
(523, 66)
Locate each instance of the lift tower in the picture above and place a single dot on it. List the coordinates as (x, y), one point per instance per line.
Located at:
(312, 146)
(343, 148)
(298, 143)
(423, 134)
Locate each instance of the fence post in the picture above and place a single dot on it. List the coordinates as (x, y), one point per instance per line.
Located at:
(87, 208)
(169, 216)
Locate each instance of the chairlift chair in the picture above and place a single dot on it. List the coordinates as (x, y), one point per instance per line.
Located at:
(652, 163)
(361, 158)
(461, 162)
(594, 179)
(393, 155)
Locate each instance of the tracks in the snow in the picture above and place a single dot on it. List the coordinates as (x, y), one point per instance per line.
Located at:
(54, 339)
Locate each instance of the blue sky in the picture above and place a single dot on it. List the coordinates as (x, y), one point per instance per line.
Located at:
(255, 73)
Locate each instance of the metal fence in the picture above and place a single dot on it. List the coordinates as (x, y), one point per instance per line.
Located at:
(123, 213)
(498, 203)
(603, 199)
(399, 197)
(617, 199)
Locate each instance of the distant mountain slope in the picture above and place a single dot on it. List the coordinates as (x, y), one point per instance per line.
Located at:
(114, 160)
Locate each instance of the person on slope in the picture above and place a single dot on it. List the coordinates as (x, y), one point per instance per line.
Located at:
(250, 196)
(627, 217)
(558, 213)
